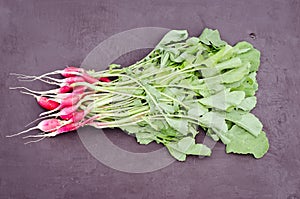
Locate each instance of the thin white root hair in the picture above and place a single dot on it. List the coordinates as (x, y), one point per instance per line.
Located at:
(22, 132)
(21, 75)
(49, 92)
(37, 119)
(29, 90)
(46, 75)
(41, 135)
(32, 94)
(36, 77)
(42, 80)
(49, 112)
(26, 93)
(33, 141)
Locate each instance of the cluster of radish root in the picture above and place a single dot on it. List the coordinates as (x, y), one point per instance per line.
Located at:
(67, 106)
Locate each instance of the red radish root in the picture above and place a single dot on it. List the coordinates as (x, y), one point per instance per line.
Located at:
(104, 79)
(47, 103)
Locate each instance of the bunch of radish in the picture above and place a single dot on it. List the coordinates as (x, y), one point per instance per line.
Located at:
(62, 104)
(184, 83)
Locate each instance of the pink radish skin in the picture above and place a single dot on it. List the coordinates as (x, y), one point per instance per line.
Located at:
(74, 117)
(65, 89)
(89, 78)
(78, 116)
(62, 129)
(71, 100)
(67, 117)
(68, 128)
(66, 103)
(104, 79)
(67, 110)
(47, 103)
(69, 71)
(79, 89)
(65, 128)
(71, 80)
(67, 113)
(48, 125)
(73, 126)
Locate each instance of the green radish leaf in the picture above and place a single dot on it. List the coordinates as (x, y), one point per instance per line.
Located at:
(248, 84)
(196, 110)
(193, 41)
(212, 134)
(172, 37)
(144, 138)
(253, 57)
(167, 108)
(243, 142)
(235, 75)
(175, 153)
(164, 59)
(187, 146)
(211, 37)
(248, 121)
(181, 125)
(214, 120)
(247, 104)
(223, 100)
(242, 47)
(131, 129)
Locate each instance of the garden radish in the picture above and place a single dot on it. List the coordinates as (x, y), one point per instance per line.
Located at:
(74, 116)
(65, 128)
(69, 101)
(47, 125)
(73, 79)
(62, 89)
(164, 97)
(72, 75)
(69, 113)
(53, 105)
(47, 103)
(70, 71)
(65, 89)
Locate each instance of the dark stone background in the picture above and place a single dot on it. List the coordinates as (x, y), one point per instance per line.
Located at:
(40, 36)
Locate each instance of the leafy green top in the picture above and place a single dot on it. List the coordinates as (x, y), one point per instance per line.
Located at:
(183, 83)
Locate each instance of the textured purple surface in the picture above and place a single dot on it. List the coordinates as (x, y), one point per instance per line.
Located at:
(39, 36)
